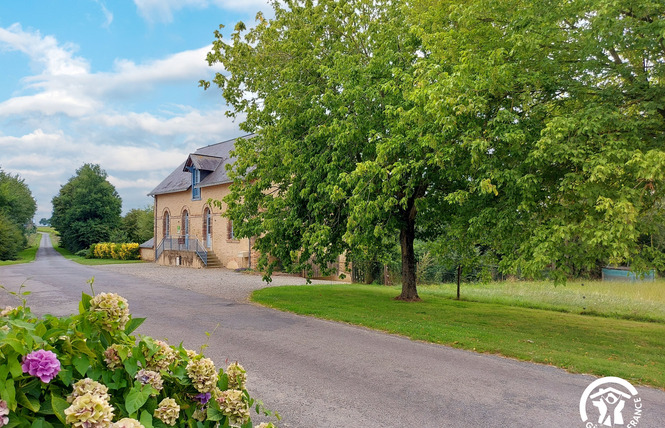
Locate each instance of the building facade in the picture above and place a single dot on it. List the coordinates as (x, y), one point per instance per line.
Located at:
(189, 231)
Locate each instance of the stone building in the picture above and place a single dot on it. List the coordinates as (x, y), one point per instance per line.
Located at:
(188, 230)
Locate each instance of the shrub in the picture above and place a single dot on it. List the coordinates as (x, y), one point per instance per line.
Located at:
(109, 250)
(12, 239)
(88, 370)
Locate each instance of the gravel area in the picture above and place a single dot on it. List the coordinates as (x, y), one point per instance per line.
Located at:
(223, 283)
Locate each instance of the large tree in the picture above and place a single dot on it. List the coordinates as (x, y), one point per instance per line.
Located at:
(16, 200)
(333, 166)
(17, 207)
(87, 209)
(138, 224)
(530, 127)
(559, 109)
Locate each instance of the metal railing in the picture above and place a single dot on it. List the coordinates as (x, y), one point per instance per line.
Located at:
(182, 243)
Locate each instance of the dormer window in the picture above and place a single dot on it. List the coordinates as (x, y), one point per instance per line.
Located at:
(200, 166)
(196, 179)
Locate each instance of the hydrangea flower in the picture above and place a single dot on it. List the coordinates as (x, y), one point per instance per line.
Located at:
(115, 309)
(149, 377)
(7, 311)
(112, 356)
(233, 406)
(42, 364)
(203, 374)
(237, 376)
(167, 411)
(4, 413)
(127, 423)
(266, 425)
(190, 354)
(162, 359)
(203, 397)
(89, 411)
(88, 386)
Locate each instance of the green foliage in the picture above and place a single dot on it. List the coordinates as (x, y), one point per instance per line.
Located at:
(556, 110)
(86, 210)
(12, 240)
(97, 344)
(332, 168)
(531, 130)
(16, 201)
(138, 225)
(17, 207)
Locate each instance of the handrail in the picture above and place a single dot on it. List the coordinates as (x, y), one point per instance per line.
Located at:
(182, 243)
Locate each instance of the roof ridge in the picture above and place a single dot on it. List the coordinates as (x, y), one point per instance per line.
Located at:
(227, 141)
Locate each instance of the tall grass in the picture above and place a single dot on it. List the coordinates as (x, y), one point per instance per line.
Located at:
(643, 301)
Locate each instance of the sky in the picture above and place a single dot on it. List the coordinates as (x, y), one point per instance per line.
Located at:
(110, 82)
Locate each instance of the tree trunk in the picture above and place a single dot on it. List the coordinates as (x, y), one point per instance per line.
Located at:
(406, 238)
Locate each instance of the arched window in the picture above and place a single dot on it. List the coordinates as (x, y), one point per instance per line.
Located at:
(185, 223)
(167, 224)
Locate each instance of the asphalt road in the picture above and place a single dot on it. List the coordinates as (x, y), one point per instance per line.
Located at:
(324, 374)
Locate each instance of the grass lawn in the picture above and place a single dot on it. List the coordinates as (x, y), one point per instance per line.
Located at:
(580, 343)
(28, 254)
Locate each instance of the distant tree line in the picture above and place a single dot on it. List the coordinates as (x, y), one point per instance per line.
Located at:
(87, 210)
(17, 207)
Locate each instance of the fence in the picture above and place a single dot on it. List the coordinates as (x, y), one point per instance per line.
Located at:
(182, 243)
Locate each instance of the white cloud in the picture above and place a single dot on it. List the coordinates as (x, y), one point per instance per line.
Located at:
(44, 52)
(163, 10)
(192, 123)
(108, 15)
(49, 103)
(141, 183)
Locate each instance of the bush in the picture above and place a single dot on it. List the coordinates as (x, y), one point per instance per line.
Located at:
(88, 370)
(12, 239)
(109, 250)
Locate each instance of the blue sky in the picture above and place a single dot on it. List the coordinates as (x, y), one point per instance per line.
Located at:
(113, 83)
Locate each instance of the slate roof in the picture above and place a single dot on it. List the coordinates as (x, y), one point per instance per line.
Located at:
(209, 158)
(150, 243)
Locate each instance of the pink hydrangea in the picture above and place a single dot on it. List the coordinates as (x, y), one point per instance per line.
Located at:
(42, 364)
(4, 412)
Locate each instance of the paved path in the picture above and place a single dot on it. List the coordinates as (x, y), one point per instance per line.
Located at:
(324, 374)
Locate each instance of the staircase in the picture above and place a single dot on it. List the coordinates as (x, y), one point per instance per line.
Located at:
(213, 261)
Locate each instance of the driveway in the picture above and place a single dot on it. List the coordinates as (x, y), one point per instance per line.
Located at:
(319, 373)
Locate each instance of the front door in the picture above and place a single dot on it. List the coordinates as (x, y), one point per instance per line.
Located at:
(208, 221)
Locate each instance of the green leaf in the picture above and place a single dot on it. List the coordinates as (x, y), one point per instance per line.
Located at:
(41, 423)
(137, 397)
(30, 403)
(133, 324)
(82, 364)
(146, 419)
(84, 306)
(132, 366)
(15, 367)
(59, 405)
(9, 394)
(214, 412)
(66, 376)
(95, 373)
